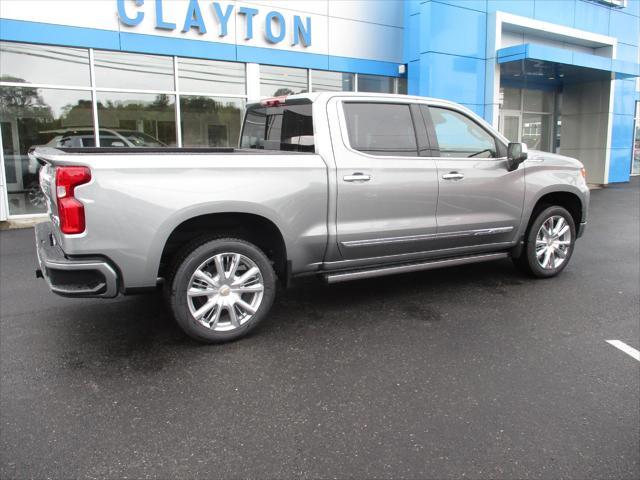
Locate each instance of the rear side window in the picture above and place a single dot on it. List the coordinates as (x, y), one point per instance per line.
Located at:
(384, 129)
(287, 127)
(459, 136)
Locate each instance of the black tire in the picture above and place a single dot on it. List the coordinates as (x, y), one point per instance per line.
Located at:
(188, 260)
(528, 261)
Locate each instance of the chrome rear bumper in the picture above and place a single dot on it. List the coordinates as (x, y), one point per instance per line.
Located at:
(85, 277)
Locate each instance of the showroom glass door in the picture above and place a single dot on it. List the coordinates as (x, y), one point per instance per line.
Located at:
(510, 124)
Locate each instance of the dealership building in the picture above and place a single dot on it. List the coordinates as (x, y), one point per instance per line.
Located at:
(559, 75)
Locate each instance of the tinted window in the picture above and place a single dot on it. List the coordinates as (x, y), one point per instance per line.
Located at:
(459, 136)
(381, 129)
(285, 127)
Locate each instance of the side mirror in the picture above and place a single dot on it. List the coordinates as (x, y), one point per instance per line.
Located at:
(516, 154)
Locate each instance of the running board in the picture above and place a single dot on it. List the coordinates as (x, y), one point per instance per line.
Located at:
(412, 267)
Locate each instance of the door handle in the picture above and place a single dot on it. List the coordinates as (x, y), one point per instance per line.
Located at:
(357, 177)
(453, 176)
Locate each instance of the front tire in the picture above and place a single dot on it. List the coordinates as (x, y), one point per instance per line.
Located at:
(219, 290)
(549, 243)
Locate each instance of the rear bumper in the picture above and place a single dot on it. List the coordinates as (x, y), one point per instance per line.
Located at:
(83, 277)
(581, 228)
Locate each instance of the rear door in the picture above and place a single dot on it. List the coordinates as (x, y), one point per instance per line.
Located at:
(480, 203)
(387, 186)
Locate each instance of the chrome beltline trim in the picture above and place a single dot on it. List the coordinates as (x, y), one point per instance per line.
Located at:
(431, 236)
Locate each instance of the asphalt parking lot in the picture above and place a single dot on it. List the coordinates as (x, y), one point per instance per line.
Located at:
(474, 372)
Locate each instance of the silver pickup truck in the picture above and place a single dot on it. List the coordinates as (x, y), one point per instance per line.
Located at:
(342, 186)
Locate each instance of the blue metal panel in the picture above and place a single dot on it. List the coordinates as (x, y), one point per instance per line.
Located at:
(478, 5)
(561, 12)
(625, 27)
(35, 32)
(622, 131)
(413, 78)
(273, 56)
(550, 54)
(567, 57)
(633, 7)
(136, 42)
(628, 53)
(359, 65)
(624, 96)
(517, 7)
(620, 165)
(455, 31)
(592, 17)
(411, 46)
(460, 79)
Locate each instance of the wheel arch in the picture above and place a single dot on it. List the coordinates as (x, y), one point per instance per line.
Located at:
(248, 222)
(569, 199)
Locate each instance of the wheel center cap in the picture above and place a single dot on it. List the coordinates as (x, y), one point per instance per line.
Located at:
(224, 290)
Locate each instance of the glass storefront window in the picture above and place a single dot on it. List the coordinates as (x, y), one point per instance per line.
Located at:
(126, 116)
(376, 83)
(30, 117)
(635, 165)
(133, 71)
(25, 63)
(536, 131)
(511, 98)
(537, 101)
(324, 81)
(210, 122)
(277, 81)
(210, 76)
(402, 85)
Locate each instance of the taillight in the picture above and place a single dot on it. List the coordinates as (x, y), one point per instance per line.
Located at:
(70, 210)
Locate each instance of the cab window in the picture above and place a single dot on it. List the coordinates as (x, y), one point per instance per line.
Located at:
(459, 136)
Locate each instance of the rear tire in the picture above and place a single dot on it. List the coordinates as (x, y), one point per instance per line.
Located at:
(549, 243)
(219, 290)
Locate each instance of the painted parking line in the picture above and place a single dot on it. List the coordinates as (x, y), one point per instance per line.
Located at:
(625, 348)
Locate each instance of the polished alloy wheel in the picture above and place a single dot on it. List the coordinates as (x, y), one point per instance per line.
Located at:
(225, 291)
(553, 242)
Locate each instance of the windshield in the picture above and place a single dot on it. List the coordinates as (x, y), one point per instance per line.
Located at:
(287, 127)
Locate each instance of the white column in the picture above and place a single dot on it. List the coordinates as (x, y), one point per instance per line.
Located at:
(253, 82)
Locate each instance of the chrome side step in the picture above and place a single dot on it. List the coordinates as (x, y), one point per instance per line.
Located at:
(412, 267)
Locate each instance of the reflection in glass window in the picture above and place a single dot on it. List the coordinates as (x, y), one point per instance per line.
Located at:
(133, 71)
(210, 122)
(25, 63)
(537, 101)
(287, 127)
(277, 81)
(127, 116)
(211, 76)
(536, 131)
(635, 165)
(30, 117)
(324, 81)
(375, 83)
(459, 136)
(402, 85)
(381, 129)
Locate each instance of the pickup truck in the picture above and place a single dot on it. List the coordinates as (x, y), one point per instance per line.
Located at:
(342, 186)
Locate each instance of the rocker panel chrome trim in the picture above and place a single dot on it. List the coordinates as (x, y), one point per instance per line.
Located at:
(431, 236)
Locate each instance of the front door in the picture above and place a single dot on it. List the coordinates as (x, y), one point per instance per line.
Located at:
(387, 193)
(480, 203)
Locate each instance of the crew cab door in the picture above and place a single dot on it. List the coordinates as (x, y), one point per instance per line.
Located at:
(387, 186)
(480, 202)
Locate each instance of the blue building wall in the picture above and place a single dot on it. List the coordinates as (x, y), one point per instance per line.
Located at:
(446, 53)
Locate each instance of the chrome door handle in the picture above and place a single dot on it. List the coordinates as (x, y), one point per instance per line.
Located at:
(453, 176)
(357, 177)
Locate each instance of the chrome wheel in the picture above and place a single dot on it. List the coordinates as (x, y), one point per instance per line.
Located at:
(553, 242)
(225, 291)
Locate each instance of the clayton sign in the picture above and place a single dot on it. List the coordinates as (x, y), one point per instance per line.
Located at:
(198, 15)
